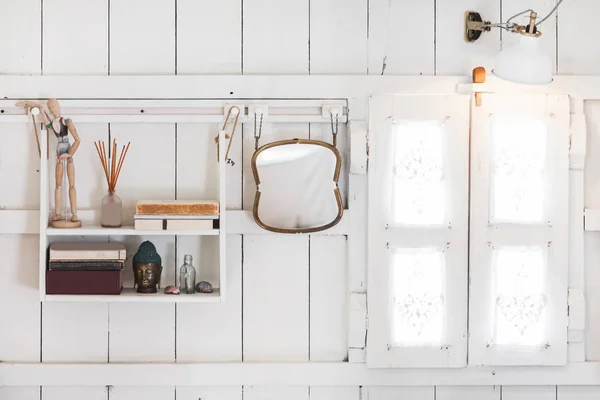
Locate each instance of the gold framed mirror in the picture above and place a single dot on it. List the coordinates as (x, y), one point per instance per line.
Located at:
(297, 186)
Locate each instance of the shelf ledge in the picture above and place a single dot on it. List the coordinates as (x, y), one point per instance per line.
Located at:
(129, 295)
(126, 231)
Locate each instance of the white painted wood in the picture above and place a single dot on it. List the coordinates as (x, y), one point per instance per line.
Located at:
(287, 374)
(358, 132)
(284, 52)
(548, 27)
(393, 393)
(529, 392)
(335, 393)
(75, 332)
(213, 332)
(275, 307)
(468, 392)
(578, 53)
(357, 251)
(454, 56)
(209, 393)
(357, 330)
(352, 87)
(142, 393)
(129, 295)
(577, 392)
(357, 355)
(592, 219)
(328, 298)
(388, 23)
(209, 37)
(20, 310)
(75, 37)
(130, 339)
(591, 239)
(338, 36)
(484, 235)
(276, 393)
(20, 393)
(146, 46)
(21, 22)
(20, 193)
(74, 392)
(451, 237)
(238, 222)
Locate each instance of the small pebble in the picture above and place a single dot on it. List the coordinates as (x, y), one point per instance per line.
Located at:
(171, 290)
(204, 287)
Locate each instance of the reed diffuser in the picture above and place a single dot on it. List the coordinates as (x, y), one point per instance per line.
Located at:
(111, 209)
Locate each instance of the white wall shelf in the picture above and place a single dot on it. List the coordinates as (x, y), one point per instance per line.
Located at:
(592, 219)
(126, 231)
(128, 294)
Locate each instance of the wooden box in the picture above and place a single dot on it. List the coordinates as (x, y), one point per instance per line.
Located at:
(84, 282)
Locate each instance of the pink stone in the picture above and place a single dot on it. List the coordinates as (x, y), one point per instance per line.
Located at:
(171, 290)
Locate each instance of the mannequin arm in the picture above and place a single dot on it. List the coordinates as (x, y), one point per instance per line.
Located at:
(76, 139)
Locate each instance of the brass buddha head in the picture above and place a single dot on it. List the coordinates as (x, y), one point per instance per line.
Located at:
(147, 268)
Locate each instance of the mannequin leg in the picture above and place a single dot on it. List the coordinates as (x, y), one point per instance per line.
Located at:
(72, 192)
(57, 191)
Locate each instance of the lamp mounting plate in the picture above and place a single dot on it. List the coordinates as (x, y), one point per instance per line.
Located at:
(474, 26)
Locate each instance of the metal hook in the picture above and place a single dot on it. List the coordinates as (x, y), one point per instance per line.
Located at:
(236, 112)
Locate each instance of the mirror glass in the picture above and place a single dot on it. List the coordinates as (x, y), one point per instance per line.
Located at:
(297, 186)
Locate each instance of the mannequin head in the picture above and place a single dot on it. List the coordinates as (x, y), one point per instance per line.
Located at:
(54, 107)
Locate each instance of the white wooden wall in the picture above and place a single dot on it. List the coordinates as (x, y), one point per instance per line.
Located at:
(279, 308)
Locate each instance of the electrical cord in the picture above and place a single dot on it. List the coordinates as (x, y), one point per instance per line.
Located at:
(510, 25)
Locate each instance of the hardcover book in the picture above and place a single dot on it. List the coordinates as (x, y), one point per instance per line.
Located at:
(77, 251)
(179, 207)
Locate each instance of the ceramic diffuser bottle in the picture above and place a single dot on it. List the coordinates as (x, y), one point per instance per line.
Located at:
(111, 208)
(187, 276)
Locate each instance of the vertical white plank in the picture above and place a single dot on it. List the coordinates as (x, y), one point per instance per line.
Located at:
(578, 53)
(75, 37)
(528, 392)
(223, 340)
(275, 298)
(276, 393)
(467, 393)
(591, 239)
(142, 332)
(148, 173)
(328, 298)
(397, 392)
(142, 37)
(20, 393)
(142, 393)
(75, 332)
(404, 54)
(324, 132)
(20, 310)
(209, 37)
(548, 27)
(335, 393)
(21, 22)
(209, 393)
(21, 191)
(578, 393)
(74, 392)
(275, 37)
(338, 36)
(454, 56)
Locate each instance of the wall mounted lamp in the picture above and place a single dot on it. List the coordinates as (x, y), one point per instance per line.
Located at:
(525, 62)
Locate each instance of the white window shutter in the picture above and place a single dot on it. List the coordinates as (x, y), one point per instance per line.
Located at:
(418, 231)
(519, 230)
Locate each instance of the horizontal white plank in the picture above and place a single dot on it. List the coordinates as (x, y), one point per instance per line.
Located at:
(238, 222)
(287, 374)
(273, 86)
(127, 231)
(129, 295)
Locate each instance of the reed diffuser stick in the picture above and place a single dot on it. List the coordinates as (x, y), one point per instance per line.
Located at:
(110, 165)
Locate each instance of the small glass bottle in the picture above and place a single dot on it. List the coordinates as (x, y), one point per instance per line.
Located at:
(111, 211)
(187, 276)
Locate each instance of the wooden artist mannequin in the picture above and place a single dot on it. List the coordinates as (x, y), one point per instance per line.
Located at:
(64, 151)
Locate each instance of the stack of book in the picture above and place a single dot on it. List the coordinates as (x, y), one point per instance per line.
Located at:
(176, 215)
(85, 268)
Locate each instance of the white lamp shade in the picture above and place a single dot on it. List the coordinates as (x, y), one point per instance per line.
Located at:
(524, 62)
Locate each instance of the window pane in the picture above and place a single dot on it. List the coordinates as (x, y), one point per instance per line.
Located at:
(518, 161)
(418, 193)
(418, 297)
(519, 295)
